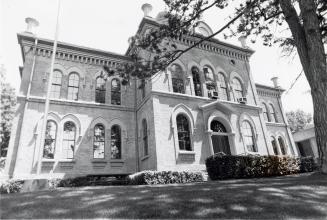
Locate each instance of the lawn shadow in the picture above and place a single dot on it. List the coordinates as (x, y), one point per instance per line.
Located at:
(298, 196)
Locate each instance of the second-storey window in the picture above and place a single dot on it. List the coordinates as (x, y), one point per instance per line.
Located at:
(273, 116)
(265, 111)
(73, 86)
(209, 79)
(100, 90)
(238, 89)
(115, 92)
(196, 81)
(223, 92)
(177, 79)
(56, 84)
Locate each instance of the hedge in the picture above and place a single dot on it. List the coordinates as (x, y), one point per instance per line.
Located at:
(11, 186)
(150, 177)
(221, 166)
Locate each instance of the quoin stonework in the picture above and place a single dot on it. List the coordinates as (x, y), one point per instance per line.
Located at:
(205, 102)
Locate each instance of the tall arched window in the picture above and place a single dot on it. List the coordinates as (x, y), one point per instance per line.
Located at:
(145, 138)
(183, 131)
(115, 92)
(282, 145)
(50, 140)
(73, 86)
(265, 111)
(223, 92)
(209, 79)
(100, 90)
(238, 89)
(274, 145)
(98, 141)
(115, 142)
(248, 136)
(196, 81)
(273, 116)
(56, 84)
(68, 141)
(177, 79)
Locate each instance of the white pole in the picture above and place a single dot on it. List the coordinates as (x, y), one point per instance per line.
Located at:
(47, 99)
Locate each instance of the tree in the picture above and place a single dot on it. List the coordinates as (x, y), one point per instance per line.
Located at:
(292, 24)
(7, 109)
(298, 119)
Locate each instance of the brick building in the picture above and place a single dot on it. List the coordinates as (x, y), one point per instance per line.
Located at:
(205, 102)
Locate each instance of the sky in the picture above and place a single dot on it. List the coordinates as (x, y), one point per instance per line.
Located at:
(107, 25)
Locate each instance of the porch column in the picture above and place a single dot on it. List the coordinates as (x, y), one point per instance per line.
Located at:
(209, 135)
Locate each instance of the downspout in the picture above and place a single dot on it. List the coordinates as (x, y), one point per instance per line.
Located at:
(136, 128)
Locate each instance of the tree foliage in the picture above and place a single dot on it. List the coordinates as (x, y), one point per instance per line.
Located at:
(298, 119)
(7, 109)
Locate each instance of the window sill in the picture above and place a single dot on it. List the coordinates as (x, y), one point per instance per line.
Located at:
(117, 162)
(45, 160)
(67, 161)
(145, 157)
(99, 160)
(186, 156)
(186, 152)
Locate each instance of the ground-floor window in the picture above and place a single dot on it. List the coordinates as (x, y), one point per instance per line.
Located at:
(183, 132)
(50, 140)
(115, 142)
(99, 141)
(68, 141)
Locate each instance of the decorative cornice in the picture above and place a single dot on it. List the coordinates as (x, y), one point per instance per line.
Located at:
(268, 91)
(70, 52)
(212, 45)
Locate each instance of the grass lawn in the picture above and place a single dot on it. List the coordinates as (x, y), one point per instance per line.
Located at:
(297, 196)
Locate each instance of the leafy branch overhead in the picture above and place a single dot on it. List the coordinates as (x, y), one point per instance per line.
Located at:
(154, 49)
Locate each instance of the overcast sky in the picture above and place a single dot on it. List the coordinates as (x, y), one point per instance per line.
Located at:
(107, 25)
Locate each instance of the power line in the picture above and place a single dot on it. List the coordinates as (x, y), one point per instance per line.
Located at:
(296, 79)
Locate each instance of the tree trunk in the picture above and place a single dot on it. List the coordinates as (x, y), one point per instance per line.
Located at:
(308, 40)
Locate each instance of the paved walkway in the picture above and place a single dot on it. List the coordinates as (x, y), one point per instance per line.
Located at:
(297, 196)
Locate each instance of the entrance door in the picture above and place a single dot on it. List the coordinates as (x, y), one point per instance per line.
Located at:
(220, 143)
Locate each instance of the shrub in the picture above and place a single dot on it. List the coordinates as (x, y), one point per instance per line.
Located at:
(221, 166)
(150, 177)
(11, 186)
(307, 164)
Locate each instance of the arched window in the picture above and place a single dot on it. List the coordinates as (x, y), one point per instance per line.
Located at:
(265, 111)
(115, 92)
(100, 90)
(50, 140)
(115, 142)
(98, 141)
(274, 145)
(142, 87)
(177, 79)
(223, 92)
(209, 79)
(238, 89)
(68, 141)
(196, 81)
(183, 131)
(282, 145)
(56, 84)
(73, 86)
(145, 138)
(217, 126)
(273, 116)
(248, 136)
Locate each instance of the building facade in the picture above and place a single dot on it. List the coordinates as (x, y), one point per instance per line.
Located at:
(205, 102)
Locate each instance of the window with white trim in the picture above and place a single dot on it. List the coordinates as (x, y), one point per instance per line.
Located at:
(100, 90)
(248, 136)
(98, 141)
(73, 86)
(238, 89)
(273, 115)
(56, 84)
(68, 141)
(183, 132)
(223, 92)
(50, 140)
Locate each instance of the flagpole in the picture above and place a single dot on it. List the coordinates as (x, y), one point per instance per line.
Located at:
(47, 99)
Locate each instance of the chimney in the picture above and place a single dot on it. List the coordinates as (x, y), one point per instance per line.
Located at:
(31, 25)
(242, 40)
(146, 8)
(275, 81)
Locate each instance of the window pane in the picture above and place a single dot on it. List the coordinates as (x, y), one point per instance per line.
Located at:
(197, 81)
(274, 145)
(115, 142)
(50, 140)
(69, 136)
(115, 92)
(238, 90)
(248, 136)
(73, 85)
(183, 132)
(282, 145)
(99, 141)
(178, 85)
(217, 126)
(222, 87)
(100, 90)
